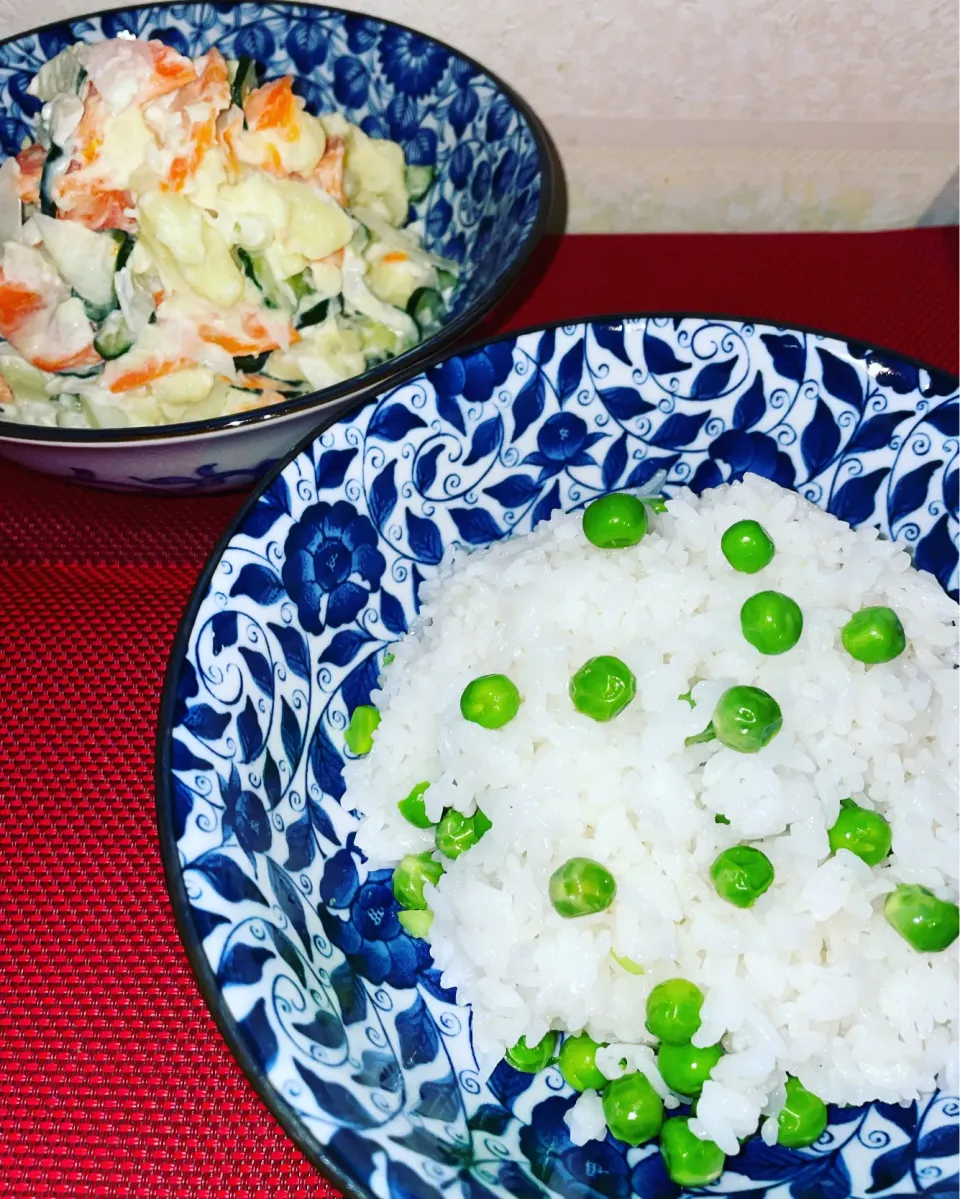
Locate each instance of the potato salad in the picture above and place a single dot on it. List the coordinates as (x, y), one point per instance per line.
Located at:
(184, 242)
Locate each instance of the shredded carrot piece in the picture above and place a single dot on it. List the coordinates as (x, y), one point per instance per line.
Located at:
(272, 106)
(88, 356)
(231, 126)
(170, 72)
(88, 137)
(329, 170)
(215, 73)
(213, 89)
(184, 167)
(254, 326)
(17, 304)
(334, 259)
(31, 160)
(98, 209)
(394, 256)
(255, 383)
(236, 345)
(156, 369)
(211, 86)
(273, 161)
(258, 340)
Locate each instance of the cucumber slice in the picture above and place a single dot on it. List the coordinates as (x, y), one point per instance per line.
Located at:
(114, 337)
(446, 280)
(124, 250)
(27, 382)
(314, 315)
(96, 312)
(244, 79)
(257, 270)
(81, 372)
(86, 260)
(378, 341)
(360, 239)
(51, 169)
(300, 285)
(418, 181)
(427, 308)
(251, 364)
(360, 299)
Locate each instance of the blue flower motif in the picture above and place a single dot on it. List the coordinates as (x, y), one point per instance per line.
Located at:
(475, 376)
(412, 63)
(372, 938)
(597, 1168)
(326, 552)
(753, 453)
(404, 117)
(561, 442)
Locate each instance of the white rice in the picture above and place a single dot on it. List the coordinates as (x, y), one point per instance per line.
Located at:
(812, 981)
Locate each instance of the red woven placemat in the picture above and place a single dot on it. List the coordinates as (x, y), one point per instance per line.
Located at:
(113, 1079)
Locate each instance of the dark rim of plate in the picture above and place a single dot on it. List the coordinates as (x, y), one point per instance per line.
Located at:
(205, 978)
(419, 357)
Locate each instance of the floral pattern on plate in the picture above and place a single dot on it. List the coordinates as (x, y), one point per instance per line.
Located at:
(337, 1012)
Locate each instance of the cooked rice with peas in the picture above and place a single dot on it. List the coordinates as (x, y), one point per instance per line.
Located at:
(815, 978)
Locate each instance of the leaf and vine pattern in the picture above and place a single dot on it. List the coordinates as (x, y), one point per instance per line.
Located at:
(343, 1012)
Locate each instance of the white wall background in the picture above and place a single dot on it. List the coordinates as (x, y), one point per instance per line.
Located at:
(714, 114)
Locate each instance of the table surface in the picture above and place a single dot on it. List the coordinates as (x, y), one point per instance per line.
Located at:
(114, 1081)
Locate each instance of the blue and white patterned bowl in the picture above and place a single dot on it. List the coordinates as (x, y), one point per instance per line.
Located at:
(337, 1016)
(487, 208)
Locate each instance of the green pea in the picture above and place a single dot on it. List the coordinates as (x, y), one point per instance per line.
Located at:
(802, 1118)
(578, 1063)
(745, 719)
(457, 833)
(747, 546)
(771, 622)
(627, 964)
(656, 503)
(741, 874)
(531, 1060)
(687, 698)
(690, 1162)
(927, 923)
(581, 887)
(720, 819)
(685, 1068)
(602, 687)
(863, 832)
(363, 724)
(491, 701)
(410, 876)
(673, 1010)
(413, 809)
(874, 635)
(388, 657)
(416, 923)
(615, 521)
(632, 1109)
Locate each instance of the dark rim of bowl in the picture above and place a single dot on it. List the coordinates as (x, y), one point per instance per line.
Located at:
(203, 974)
(419, 356)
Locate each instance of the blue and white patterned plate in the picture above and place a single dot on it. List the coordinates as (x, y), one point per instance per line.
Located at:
(337, 1016)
